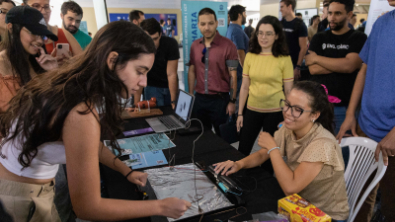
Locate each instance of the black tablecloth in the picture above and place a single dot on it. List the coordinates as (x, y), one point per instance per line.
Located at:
(211, 149)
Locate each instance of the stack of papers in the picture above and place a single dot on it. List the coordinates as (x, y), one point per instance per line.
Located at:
(144, 151)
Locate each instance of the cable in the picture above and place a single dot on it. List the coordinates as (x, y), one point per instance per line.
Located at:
(247, 190)
(172, 158)
(187, 126)
(237, 213)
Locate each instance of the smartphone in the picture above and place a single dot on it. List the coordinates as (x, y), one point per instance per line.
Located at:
(62, 48)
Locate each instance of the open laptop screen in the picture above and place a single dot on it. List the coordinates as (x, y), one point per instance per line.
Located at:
(184, 104)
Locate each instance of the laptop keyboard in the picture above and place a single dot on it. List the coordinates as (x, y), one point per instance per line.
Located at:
(168, 122)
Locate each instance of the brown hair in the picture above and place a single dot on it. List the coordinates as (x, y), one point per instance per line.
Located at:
(40, 108)
(290, 2)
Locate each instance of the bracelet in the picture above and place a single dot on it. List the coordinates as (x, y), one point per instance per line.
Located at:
(240, 115)
(268, 152)
(131, 171)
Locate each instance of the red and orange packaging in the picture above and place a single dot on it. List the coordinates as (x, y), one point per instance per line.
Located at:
(297, 209)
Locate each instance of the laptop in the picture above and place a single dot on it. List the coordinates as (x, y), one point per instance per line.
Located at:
(183, 111)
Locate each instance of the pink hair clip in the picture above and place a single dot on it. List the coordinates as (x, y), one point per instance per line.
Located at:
(332, 99)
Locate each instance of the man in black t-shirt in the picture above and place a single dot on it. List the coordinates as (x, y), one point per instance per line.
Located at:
(296, 34)
(162, 81)
(333, 58)
(249, 29)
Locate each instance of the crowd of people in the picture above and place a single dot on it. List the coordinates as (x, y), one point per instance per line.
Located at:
(58, 87)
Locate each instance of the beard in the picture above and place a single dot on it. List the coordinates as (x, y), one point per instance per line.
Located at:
(339, 25)
(244, 21)
(70, 30)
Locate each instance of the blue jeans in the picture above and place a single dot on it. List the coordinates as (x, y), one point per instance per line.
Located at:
(162, 95)
(340, 115)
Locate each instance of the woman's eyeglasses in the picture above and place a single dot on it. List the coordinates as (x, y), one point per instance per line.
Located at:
(47, 8)
(296, 112)
(3, 11)
(263, 34)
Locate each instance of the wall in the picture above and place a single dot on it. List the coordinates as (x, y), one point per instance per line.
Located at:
(306, 4)
(89, 16)
(270, 9)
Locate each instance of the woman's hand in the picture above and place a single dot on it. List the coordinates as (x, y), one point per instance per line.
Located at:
(239, 123)
(138, 178)
(266, 141)
(173, 207)
(47, 62)
(227, 167)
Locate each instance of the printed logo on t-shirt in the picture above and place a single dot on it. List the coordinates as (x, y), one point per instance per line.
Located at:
(287, 30)
(333, 46)
(2, 155)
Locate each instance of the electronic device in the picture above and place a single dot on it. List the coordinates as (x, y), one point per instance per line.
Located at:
(183, 111)
(226, 184)
(62, 48)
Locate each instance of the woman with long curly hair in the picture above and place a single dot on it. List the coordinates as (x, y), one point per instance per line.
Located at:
(54, 119)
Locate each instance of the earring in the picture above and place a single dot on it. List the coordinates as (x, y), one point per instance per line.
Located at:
(313, 120)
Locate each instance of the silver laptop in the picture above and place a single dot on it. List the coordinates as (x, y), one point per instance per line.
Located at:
(183, 111)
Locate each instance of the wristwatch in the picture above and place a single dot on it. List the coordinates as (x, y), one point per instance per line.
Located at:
(232, 101)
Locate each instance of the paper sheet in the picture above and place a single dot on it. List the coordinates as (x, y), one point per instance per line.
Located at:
(147, 159)
(141, 144)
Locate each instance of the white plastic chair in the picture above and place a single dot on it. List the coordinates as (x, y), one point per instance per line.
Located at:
(360, 167)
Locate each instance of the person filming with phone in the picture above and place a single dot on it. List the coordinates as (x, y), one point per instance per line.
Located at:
(69, 45)
(23, 56)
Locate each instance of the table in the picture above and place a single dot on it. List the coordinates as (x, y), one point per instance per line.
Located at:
(211, 149)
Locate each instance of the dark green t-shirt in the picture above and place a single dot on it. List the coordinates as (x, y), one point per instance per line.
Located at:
(82, 38)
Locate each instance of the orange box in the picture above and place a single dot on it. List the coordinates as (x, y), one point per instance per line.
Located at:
(297, 209)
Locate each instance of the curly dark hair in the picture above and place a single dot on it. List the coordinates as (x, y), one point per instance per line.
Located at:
(318, 102)
(39, 109)
(280, 47)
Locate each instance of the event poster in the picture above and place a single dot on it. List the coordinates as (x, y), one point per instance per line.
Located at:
(190, 11)
(377, 9)
(158, 17)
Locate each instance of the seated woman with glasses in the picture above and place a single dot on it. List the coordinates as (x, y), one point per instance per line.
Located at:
(63, 36)
(267, 71)
(313, 163)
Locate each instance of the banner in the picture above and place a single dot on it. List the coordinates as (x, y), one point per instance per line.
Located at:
(377, 8)
(191, 32)
(158, 17)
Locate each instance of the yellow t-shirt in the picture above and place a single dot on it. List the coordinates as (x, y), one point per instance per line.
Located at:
(267, 75)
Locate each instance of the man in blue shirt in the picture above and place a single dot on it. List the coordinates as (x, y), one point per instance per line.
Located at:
(169, 28)
(237, 15)
(376, 84)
